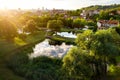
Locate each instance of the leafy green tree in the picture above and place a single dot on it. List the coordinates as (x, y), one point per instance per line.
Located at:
(94, 17)
(41, 21)
(55, 25)
(74, 12)
(76, 66)
(25, 17)
(104, 15)
(101, 48)
(30, 26)
(118, 29)
(79, 23)
(69, 22)
(92, 25)
(7, 29)
(115, 34)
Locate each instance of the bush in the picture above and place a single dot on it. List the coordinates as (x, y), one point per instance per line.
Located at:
(40, 68)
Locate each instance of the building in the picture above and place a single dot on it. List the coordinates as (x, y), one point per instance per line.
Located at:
(118, 12)
(105, 24)
(86, 14)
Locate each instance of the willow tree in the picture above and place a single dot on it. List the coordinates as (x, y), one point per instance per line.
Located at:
(101, 48)
(92, 56)
(75, 65)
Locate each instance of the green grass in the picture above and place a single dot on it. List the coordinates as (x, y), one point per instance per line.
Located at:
(19, 41)
(7, 47)
(63, 39)
(36, 37)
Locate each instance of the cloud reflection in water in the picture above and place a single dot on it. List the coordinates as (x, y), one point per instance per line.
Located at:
(44, 49)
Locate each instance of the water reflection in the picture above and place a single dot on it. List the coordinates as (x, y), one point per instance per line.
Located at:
(53, 42)
(67, 34)
(45, 49)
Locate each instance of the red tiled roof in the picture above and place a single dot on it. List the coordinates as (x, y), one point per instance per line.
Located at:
(108, 21)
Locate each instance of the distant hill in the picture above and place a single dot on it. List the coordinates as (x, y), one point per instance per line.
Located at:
(100, 7)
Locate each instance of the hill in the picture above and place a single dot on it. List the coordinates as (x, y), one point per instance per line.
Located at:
(101, 7)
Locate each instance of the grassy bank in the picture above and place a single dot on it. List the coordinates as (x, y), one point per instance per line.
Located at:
(63, 39)
(6, 48)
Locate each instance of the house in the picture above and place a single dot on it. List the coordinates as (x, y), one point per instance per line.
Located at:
(105, 24)
(93, 12)
(74, 17)
(85, 14)
(118, 12)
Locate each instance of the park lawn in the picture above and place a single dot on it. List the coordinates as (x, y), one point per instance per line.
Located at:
(37, 36)
(5, 51)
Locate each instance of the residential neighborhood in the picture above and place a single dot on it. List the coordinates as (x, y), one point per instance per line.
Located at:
(105, 24)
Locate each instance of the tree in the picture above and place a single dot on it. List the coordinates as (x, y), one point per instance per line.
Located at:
(101, 49)
(55, 25)
(92, 25)
(75, 65)
(69, 22)
(7, 29)
(30, 26)
(104, 15)
(115, 33)
(118, 29)
(94, 17)
(25, 17)
(79, 23)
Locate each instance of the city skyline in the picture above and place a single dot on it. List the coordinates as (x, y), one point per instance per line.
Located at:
(50, 4)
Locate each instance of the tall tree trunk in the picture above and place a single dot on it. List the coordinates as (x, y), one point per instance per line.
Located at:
(104, 68)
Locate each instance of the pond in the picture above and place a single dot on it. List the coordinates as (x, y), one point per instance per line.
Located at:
(66, 34)
(45, 49)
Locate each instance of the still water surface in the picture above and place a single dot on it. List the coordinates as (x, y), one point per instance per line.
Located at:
(45, 49)
(66, 34)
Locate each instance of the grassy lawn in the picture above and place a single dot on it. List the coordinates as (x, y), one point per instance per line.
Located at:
(36, 37)
(7, 47)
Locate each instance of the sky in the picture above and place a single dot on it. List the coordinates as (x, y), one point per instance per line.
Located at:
(50, 4)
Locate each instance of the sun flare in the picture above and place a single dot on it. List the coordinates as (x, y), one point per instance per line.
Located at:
(50, 4)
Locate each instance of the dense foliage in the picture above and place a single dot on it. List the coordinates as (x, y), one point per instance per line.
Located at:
(101, 48)
(100, 7)
(89, 60)
(7, 29)
(55, 25)
(30, 26)
(37, 68)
